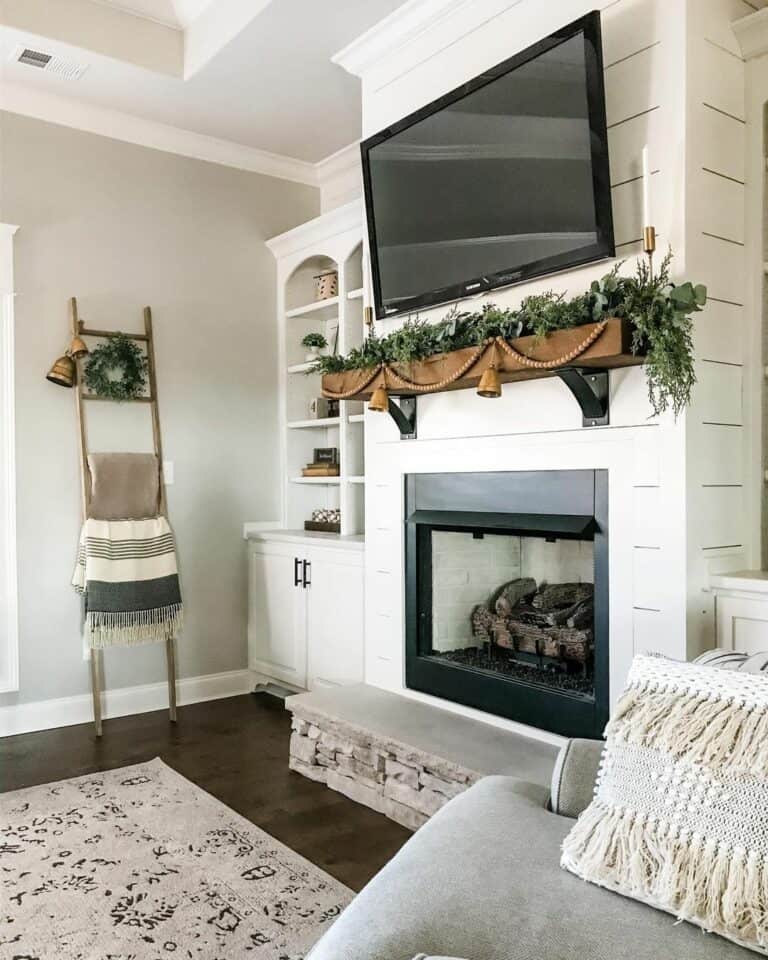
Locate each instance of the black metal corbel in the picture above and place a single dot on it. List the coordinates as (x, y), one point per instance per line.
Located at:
(592, 391)
(404, 415)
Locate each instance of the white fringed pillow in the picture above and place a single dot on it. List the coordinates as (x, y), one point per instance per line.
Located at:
(680, 814)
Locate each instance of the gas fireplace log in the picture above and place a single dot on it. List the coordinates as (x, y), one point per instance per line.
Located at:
(482, 624)
(511, 594)
(559, 643)
(583, 611)
(582, 615)
(557, 595)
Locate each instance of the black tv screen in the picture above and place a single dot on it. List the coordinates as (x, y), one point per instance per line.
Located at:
(503, 179)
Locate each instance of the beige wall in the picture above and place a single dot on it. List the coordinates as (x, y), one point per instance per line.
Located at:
(121, 226)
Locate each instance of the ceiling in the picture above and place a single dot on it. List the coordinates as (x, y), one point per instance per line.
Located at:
(271, 87)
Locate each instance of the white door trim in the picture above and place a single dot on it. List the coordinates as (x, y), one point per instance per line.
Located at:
(9, 613)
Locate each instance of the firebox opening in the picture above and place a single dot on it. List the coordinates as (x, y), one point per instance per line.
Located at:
(521, 607)
(507, 594)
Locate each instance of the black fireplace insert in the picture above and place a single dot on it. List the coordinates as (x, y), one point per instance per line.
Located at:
(507, 594)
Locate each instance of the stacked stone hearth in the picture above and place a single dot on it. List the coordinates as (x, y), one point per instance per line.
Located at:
(404, 784)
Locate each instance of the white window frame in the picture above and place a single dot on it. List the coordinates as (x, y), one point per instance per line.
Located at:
(9, 611)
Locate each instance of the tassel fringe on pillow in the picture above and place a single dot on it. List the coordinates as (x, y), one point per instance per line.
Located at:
(680, 815)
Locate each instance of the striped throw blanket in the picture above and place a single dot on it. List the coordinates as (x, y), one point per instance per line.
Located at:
(126, 570)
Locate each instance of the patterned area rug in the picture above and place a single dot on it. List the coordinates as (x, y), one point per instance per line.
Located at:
(139, 863)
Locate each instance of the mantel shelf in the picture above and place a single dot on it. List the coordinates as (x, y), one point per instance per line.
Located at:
(580, 356)
(300, 367)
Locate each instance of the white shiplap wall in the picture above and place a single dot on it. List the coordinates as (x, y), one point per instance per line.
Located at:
(718, 535)
(649, 47)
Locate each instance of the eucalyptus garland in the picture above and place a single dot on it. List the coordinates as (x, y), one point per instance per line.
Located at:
(658, 310)
(117, 369)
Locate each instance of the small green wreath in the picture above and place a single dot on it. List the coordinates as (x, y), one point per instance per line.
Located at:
(117, 369)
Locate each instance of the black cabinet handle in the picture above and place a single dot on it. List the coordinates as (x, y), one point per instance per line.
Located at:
(296, 574)
(307, 574)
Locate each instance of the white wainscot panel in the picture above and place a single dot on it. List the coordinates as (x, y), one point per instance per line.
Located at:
(648, 587)
(717, 395)
(725, 560)
(383, 587)
(718, 332)
(629, 397)
(720, 456)
(714, 18)
(720, 79)
(720, 265)
(383, 507)
(723, 212)
(626, 142)
(629, 26)
(647, 517)
(722, 519)
(651, 635)
(646, 452)
(383, 636)
(742, 624)
(628, 211)
(524, 407)
(634, 85)
(721, 142)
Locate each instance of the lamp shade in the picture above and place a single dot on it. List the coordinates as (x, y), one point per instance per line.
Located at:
(63, 372)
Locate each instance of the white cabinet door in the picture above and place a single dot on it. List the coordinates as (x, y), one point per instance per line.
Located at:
(277, 605)
(335, 618)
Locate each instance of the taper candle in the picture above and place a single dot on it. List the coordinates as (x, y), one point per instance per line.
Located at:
(647, 213)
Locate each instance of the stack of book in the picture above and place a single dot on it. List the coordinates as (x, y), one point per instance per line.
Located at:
(325, 463)
(320, 470)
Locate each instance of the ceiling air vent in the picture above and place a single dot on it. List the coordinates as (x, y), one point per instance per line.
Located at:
(50, 63)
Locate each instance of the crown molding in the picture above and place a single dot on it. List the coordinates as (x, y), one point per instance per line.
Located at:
(401, 27)
(338, 164)
(15, 98)
(752, 33)
(314, 232)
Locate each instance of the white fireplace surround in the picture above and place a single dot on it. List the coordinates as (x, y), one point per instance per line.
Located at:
(684, 496)
(639, 579)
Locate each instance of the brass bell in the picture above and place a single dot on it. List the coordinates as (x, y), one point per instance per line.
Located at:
(63, 372)
(78, 349)
(489, 385)
(379, 401)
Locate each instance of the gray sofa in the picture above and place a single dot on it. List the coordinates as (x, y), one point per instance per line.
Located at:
(481, 880)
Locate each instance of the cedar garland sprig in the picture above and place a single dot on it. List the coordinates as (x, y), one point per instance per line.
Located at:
(658, 310)
(117, 355)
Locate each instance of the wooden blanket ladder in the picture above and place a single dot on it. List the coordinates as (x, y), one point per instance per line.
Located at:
(81, 398)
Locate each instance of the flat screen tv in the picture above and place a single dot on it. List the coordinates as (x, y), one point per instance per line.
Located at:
(503, 179)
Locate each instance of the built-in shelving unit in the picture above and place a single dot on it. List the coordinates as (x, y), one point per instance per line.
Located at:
(333, 241)
(321, 307)
(320, 424)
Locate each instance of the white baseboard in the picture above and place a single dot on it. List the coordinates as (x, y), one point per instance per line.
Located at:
(66, 711)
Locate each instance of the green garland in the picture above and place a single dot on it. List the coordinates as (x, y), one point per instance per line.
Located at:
(118, 354)
(658, 310)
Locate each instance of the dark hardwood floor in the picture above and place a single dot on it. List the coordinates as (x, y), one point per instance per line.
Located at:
(236, 749)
